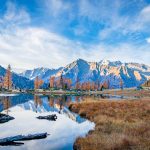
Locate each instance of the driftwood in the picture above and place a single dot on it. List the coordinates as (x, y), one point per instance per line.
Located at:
(13, 139)
(11, 143)
(49, 117)
(5, 118)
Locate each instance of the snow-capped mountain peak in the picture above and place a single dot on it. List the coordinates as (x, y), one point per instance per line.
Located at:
(110, 63)
(43, 73)
(104, 62)
(132, 74)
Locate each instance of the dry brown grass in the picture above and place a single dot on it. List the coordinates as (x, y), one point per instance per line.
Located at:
(129, 92)
(120, 125)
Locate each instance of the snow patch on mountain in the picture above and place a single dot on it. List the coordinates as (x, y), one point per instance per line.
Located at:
(132, 74)
(43, 73)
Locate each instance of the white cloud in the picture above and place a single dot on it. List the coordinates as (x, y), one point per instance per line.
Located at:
(124, 52)
(57, 7)
(145, 14)
(28, 47)
(148, 40)
(36, 47)
(14, 16)
(106, 13)
(98, 10)
(109, 14)
(141, 21)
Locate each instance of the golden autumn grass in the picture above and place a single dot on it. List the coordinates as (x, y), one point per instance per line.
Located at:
(120, 125)
(129, 92)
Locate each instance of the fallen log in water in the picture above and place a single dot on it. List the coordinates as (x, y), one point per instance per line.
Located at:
(12, 144)
(49, 117)
(12, 140)
(5, 118)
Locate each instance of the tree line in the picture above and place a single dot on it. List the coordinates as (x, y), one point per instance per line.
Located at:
(66, 84)
(58, 83)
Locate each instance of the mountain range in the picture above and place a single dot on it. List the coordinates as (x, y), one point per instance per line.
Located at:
(131, 74)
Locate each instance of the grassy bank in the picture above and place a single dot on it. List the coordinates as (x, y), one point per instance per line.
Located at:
(120, 125)
(129, 92)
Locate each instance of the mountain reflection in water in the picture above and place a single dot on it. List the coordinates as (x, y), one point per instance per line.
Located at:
(25, 108)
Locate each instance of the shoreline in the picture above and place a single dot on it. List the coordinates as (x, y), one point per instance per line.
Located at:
(130, 92)
(119, 124)
(106, 91)
(113, 118)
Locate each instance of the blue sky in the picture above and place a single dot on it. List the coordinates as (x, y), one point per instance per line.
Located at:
(53, 33)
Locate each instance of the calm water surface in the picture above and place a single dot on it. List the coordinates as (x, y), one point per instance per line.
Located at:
(63, 132)
(25, 108)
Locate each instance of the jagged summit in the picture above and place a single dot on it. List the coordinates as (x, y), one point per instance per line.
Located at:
(111, 63)
(104, 62)
(43, 73)
(132, 74)
(78, 61)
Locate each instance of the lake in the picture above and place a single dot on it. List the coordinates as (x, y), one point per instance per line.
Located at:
(26, 107)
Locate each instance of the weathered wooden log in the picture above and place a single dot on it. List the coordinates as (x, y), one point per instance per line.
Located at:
(11, 144)
(49, 117)
(12, 140)
(5, 118)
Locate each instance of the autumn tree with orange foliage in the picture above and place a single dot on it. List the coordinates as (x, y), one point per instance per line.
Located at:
(92, 86)
(8, 79)
(83, 86)
(37, 83)
(88, 86)
(105, 85)
(60, 83)
(52, 81)
(95, 86)
(77, 85)
(69, 82)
